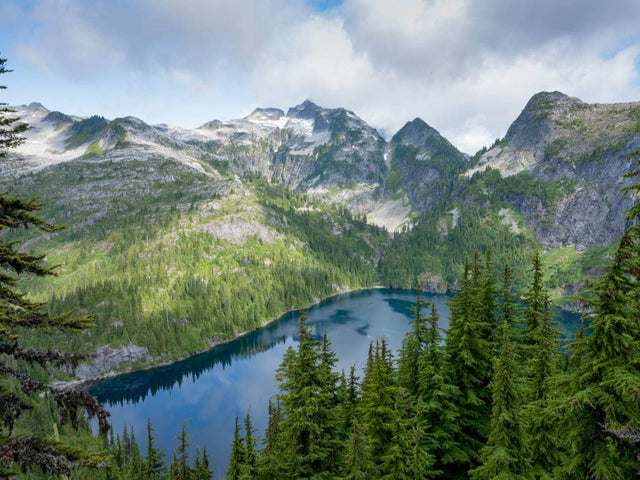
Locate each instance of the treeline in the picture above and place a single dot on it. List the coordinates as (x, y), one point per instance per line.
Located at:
(502, 397)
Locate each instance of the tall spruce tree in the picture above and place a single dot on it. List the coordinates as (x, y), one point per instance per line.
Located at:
(541, 351)
(469, 355)
(304, 446)
(236, 459)
(18, 390)
(603, 408)
(437, 397)
(154, 466)
(505, 454)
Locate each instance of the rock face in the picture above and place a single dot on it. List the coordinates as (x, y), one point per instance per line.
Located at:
(425, 163)
(557, 138)
(107, 358)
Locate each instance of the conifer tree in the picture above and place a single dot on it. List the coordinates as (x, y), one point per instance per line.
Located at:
(469, 363)
(505, 453)
(437, 396)
(236, 459)
(154, 466)
(378, 400)
(181, 470)
(408, 455)
(541, 350)
(603, 408)
(18, 313)
(412, 348)
(304, 443)
(203, 469)
(358, 459)
(248, 469)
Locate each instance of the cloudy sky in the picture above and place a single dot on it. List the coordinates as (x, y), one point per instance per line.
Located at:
(467, 67)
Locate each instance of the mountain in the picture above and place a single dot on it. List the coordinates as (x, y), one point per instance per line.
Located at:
(561, 140)
(178, 239)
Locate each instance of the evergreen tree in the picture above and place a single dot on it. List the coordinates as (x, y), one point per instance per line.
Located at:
(304, 444)
(437, 398)
(358, 459)
(248, 469)
(469, 355)
(505, 454)
(236, 459)
(412, 348)
(18, 389)
(180, 469)
(541, 350)
(377, 403)
(603, 410)
(408, 455)
(203, 471)
(154, 466)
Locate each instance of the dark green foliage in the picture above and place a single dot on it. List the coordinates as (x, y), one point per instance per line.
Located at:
(85, 131)
(154, 466)
(602, 412)
(505, 454)
(309, 423)
(470, 365)
(180, 469)
(20, 446)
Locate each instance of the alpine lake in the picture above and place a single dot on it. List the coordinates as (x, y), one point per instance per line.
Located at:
(210, 389)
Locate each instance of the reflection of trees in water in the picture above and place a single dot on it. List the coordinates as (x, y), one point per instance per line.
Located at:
(134, 387)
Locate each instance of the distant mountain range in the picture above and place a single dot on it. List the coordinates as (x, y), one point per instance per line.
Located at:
(553, 182)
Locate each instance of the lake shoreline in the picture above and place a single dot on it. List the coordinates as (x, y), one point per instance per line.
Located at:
(88, 382)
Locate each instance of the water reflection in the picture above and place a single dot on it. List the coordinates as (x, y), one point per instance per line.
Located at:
(214, 387)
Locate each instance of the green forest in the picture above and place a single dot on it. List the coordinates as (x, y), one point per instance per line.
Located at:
(499, 396)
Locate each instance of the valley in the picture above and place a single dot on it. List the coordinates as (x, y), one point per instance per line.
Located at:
(179, 239)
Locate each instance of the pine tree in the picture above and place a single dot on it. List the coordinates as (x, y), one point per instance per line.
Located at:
(412, 348)
(154, 466)
(248, 469)
(180, 468)
(603, 409)
(236, 459)
(505, 454)
(469, 355)
(17, 314)
(437, 399)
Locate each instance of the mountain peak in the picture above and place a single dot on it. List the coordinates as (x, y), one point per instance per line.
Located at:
(534, 124)
(306, 110)
(416, 133)
(260, 114)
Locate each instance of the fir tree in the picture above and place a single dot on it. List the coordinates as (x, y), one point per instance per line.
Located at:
(408, 455)
(236, 459)
(469, 355)
(154, 466)
(603, 409)
(305, 396)
(378, 400)
(248, 469)
(180, 469)
(412, 348)
(18, 313)
(437, 398)
(505, 453)
(358, 459)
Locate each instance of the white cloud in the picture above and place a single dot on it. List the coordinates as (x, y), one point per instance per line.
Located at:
(465, 67)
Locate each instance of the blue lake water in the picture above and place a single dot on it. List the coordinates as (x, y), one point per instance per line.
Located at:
(212, 388)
